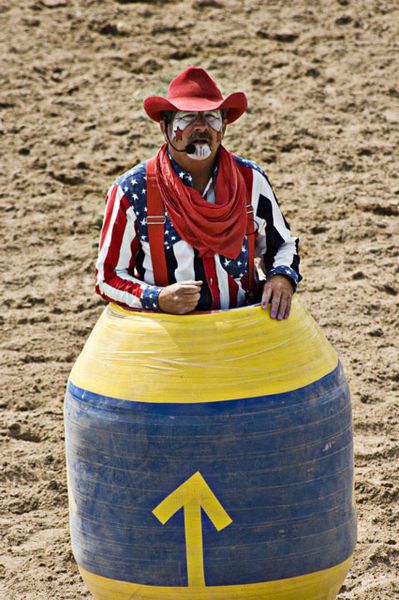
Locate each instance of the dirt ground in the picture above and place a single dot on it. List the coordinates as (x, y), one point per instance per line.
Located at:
(322, 86)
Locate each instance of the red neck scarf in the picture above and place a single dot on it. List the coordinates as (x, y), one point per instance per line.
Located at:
(210, 228)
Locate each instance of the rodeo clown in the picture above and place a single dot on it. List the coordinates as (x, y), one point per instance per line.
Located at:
(182, 230)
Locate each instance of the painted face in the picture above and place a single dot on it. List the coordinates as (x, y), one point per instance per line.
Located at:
(202, 151)
(183, 119)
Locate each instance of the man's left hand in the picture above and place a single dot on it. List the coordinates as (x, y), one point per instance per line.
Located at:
(278, 290)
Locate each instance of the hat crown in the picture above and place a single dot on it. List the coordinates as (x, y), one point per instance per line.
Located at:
(194, 90)
(194, 82)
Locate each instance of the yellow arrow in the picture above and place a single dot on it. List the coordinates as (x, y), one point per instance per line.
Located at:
(192, 495)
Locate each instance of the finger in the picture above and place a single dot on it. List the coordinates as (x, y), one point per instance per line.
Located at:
(288, 308)
(188, 292)
(190, 282)
(275, 304)
(282, 307)
(267, 292)
(188, 289)
(189, 298)
(182, 308)
(187, 307)
(192, 303)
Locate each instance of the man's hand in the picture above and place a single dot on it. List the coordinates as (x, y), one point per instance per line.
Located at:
(278, 289)
(180, 298)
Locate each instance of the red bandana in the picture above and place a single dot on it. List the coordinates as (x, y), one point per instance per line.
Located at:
(210, 228)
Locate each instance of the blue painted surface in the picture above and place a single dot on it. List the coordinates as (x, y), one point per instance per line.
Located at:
(281, 466)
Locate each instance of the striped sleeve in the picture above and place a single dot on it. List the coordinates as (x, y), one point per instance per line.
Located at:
(275, 243)
(115, 280)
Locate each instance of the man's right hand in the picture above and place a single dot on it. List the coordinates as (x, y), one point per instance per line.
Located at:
(180, 298)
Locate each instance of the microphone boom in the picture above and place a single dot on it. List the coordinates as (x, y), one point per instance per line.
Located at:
(189, 149)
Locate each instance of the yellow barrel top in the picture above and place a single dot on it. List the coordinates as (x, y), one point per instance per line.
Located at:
(156, 357)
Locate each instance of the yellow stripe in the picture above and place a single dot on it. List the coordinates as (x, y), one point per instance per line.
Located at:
(222, 355)
(322, 585)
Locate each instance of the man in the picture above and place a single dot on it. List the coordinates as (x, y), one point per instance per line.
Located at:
(181, 231)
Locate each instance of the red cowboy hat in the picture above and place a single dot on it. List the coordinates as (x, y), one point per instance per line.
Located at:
(195, 90)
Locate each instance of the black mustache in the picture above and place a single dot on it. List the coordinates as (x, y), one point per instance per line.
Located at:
(200, 137)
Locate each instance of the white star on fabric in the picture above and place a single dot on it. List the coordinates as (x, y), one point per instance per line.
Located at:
(143, 222)
(135, 197)
(181, 174)
(226, 262)
(239, 263)
(173, 237)
(134, 181)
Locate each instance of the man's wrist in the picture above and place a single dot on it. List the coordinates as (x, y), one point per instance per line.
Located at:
(286, 272)
(150, 298)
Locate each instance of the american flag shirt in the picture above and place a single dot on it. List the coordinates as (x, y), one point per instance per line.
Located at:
(124, 271)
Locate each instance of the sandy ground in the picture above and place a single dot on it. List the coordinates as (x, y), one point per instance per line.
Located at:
(323, 121)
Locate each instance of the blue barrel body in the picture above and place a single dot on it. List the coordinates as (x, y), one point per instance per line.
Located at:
(210, 456)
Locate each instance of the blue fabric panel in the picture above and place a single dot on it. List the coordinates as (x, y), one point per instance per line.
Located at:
(280, 465)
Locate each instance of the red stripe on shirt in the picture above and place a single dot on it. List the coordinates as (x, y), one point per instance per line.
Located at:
(212, 280)
(109, 202)
(233, 291)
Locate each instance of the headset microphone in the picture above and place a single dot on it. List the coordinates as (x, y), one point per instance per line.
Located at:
(189, 149)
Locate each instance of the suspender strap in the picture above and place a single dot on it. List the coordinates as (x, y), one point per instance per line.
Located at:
(156, 226)
(247, 173)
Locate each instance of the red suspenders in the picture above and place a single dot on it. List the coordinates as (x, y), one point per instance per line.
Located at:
(156, 222)
(156, 226)
(247, 173)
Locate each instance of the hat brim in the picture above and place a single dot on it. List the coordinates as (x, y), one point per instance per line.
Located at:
(235, 103)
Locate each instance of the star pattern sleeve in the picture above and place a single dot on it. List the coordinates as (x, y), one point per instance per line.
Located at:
(115, 269)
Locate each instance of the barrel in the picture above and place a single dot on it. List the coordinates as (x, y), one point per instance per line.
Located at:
(210, 457)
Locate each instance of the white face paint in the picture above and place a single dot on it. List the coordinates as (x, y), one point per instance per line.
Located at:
(183, 119)
(202, 151)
